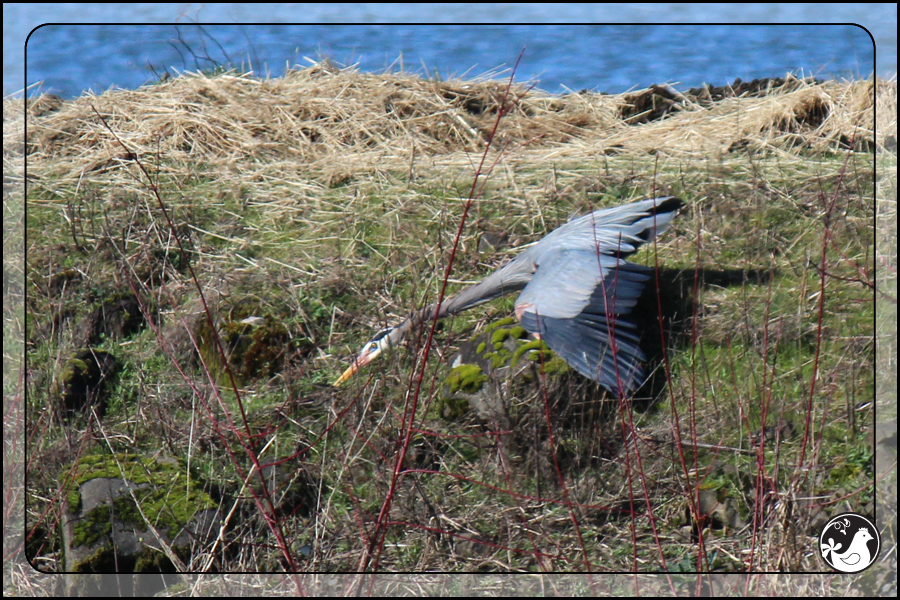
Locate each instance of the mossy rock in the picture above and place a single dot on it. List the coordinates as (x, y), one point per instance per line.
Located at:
(256, 340)
(83, 381)
(503, 349)
(103, 529)
(501, 355)
(118, 316)
(505, 380)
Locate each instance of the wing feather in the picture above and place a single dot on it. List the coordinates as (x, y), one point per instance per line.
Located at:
(617, 231)
(579, 302)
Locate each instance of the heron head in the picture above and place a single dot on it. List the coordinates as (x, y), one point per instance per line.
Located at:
(383, 340)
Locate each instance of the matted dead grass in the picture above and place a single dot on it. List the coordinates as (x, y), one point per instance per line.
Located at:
(340, 123)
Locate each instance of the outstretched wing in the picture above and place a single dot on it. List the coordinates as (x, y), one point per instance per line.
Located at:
(617, 231)
(582, 291)
(578, 301)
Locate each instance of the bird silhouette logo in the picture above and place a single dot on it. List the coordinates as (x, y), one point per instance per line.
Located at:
(849, 543)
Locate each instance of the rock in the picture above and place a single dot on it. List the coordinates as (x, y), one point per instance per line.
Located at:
(103, 530)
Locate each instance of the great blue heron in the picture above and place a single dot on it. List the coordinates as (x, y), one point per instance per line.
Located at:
(577, 292)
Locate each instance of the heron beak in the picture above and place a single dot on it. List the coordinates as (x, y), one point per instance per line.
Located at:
(364, 358)
(350, 372)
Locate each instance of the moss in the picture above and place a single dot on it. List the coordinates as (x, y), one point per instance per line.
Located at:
(498, 359)
(843, 474)
(98, 562)
(538, 351)
(528, 347)
(95, 526)
(256, 349)
(152, 561)
(466, 378)
(518, 332)
(499, 336)
(554, 366)
(451, 408)
(84, 379)
(76, 366)
(500, 323)
(263, 347)
(122, 316)
(499, 333)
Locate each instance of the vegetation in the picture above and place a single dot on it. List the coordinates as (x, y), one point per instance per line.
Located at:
(314, 209)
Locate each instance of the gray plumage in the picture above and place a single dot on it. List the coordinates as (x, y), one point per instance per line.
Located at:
(577, 291)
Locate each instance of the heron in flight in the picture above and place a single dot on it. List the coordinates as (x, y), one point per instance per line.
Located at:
(577, 291)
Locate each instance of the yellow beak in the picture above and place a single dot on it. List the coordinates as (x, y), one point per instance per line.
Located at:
(364, 358)
(350, 372)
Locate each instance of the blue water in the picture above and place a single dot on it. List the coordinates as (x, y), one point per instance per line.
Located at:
(69, 59)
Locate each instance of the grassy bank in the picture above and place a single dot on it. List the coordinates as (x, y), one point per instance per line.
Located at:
(326, 203)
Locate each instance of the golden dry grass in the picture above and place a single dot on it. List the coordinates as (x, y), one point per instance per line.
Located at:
(342, 123)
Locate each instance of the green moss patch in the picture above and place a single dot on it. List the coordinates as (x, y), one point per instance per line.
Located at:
(168, 496)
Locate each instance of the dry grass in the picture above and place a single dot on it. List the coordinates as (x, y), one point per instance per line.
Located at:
(328, 200)
(341, 123)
